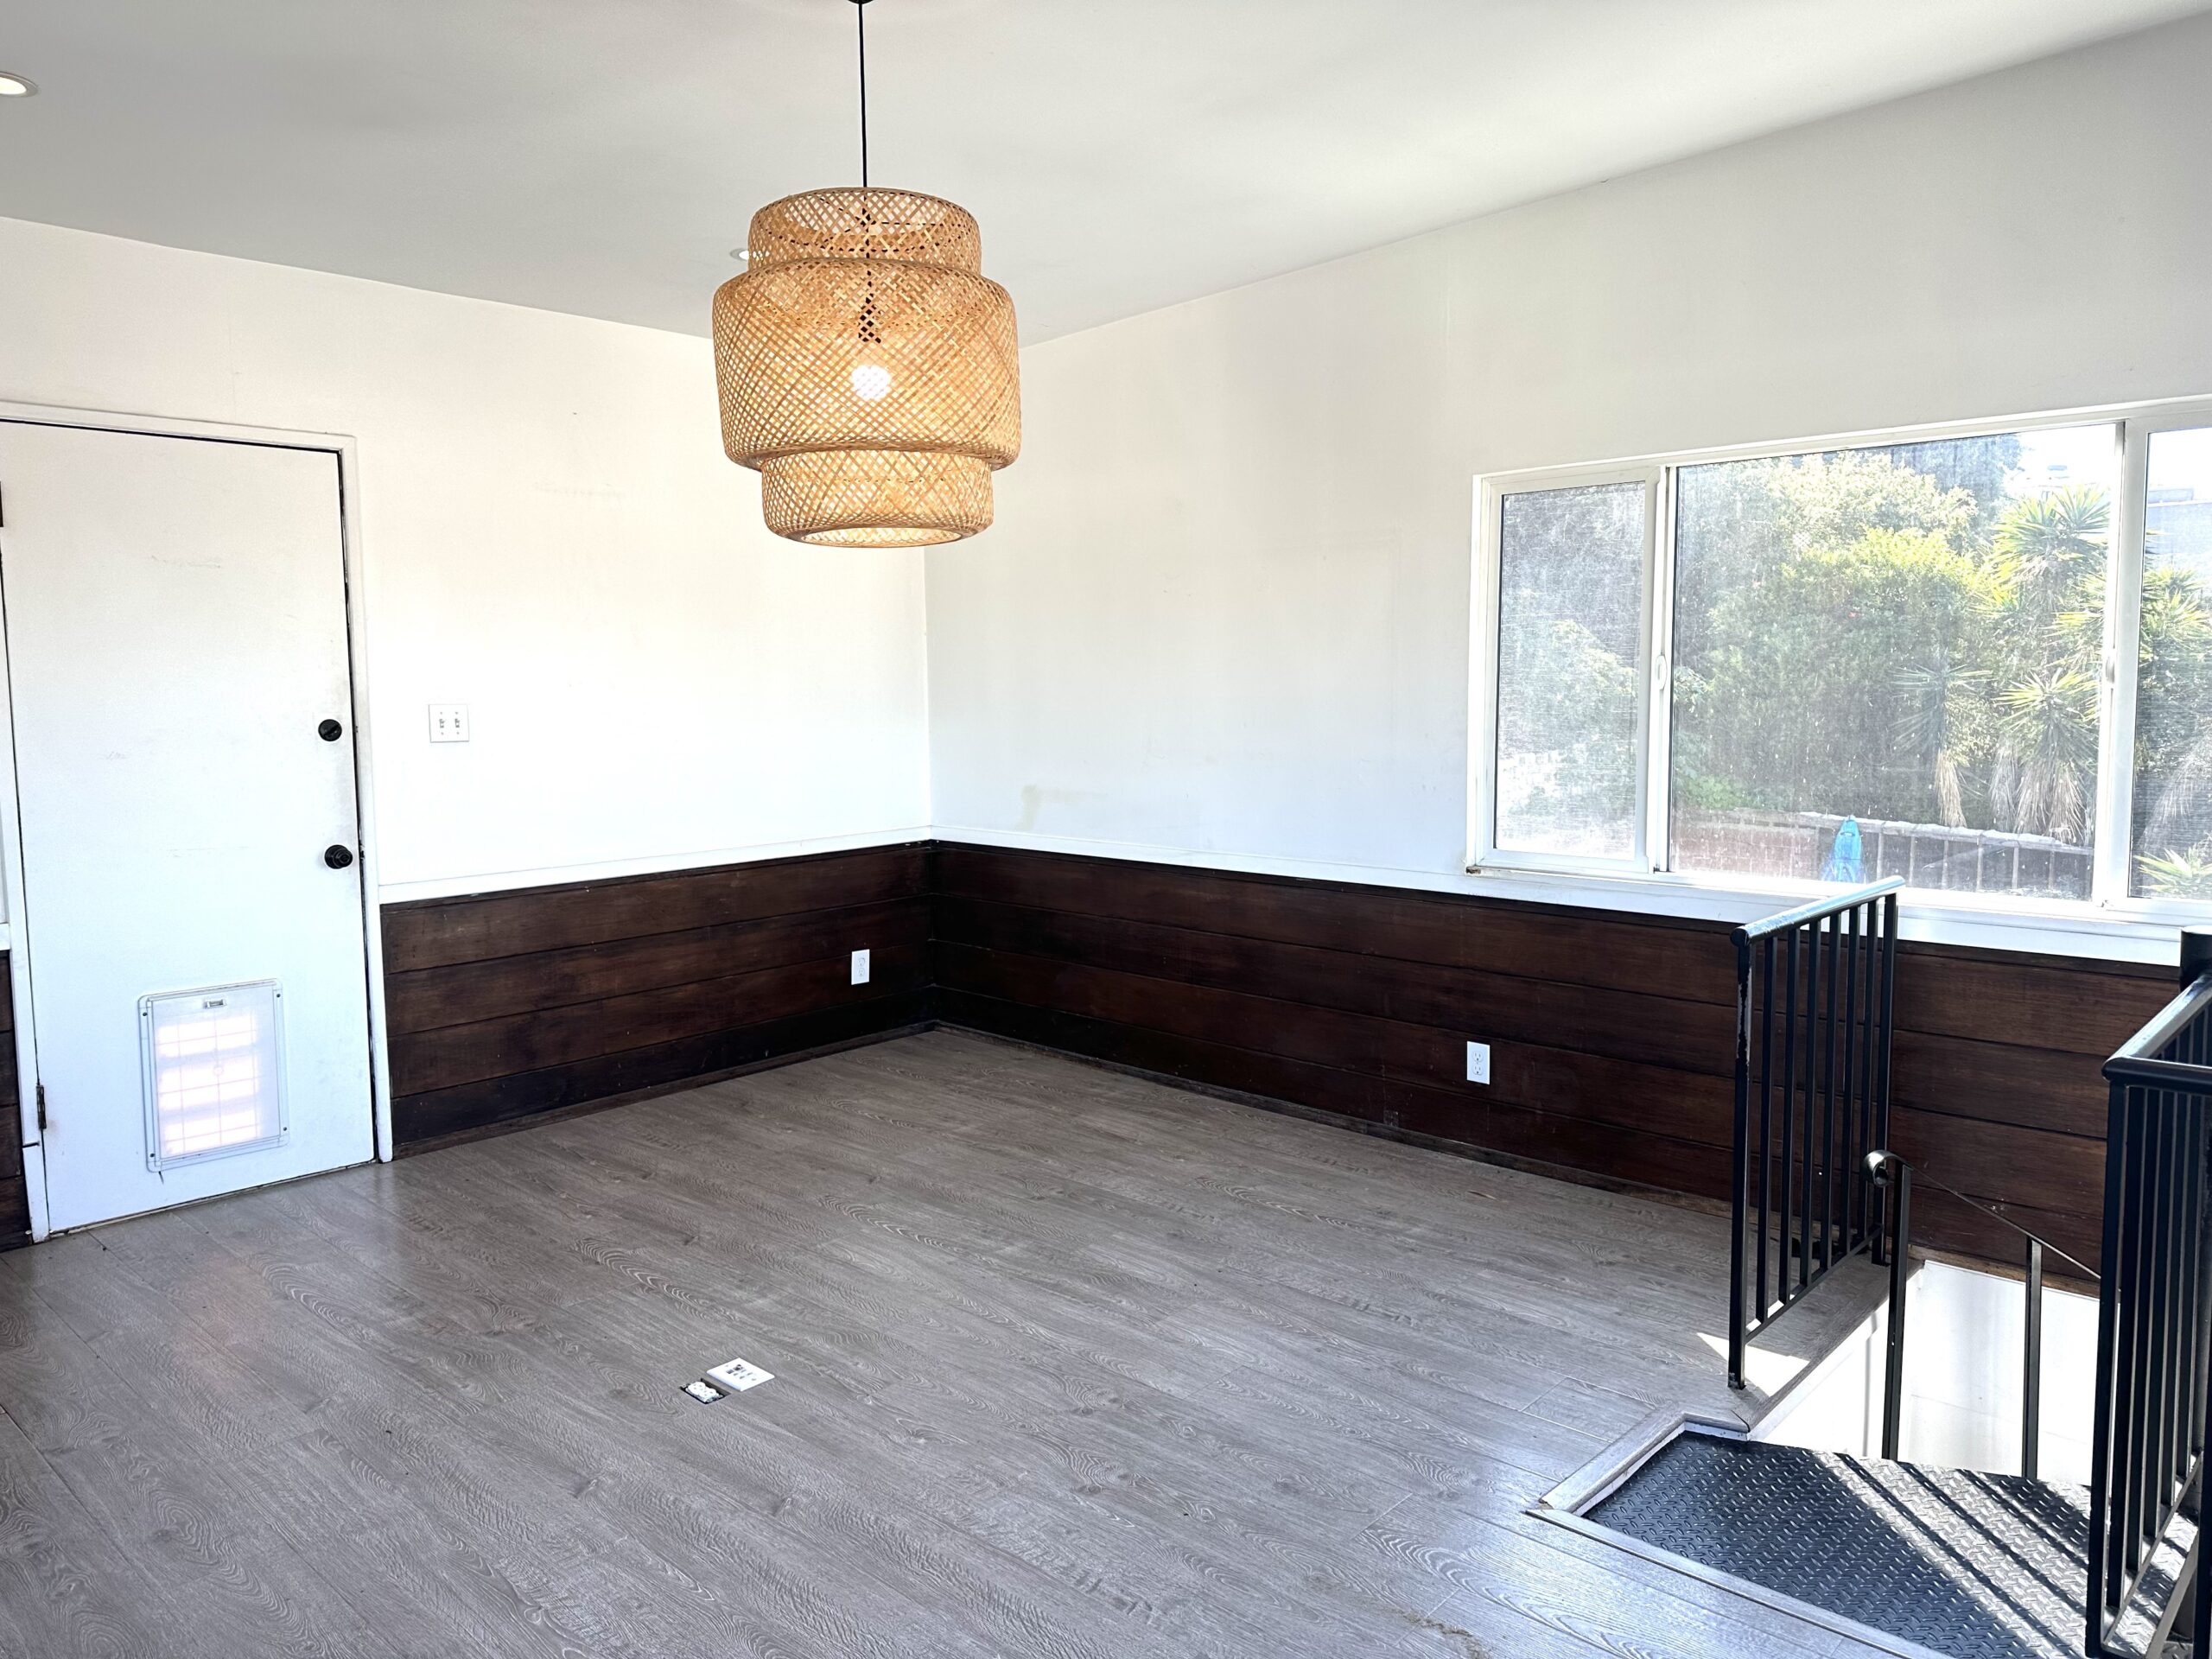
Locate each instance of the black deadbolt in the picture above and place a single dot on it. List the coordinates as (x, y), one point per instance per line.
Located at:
(330, 731)
(337, 857)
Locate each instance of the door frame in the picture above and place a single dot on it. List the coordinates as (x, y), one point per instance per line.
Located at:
(16, 931)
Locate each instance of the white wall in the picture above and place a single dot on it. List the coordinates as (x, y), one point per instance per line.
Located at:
(1225, 610)
(551, 535)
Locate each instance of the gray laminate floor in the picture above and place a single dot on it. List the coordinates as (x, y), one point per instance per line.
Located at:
(1067, 1364)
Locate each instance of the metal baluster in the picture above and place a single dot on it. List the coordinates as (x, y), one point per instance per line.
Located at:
(1812, 1056)
(2156, 1493)
(2186, 1332)
(2144, 1180)
(2102, 1486)
(2119, 1273)
(1867, 1140)
(1766, 1105)
(1833, 929)
(2032, 1366)
(1850, 1173)
(1886, 1036)
(1789, 1117)
(2169, 1277)
(1740, 1175)
(2166, 1420)
(2144, 1454)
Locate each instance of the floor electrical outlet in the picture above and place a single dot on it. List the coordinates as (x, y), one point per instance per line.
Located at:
(703, 1391)
(737, 1375)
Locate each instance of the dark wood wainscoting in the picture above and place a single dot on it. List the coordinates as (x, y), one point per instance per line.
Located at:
(1611, 1035)
(15, 1201)
(504, 1005)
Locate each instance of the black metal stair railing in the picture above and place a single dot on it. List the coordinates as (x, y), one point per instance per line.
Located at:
(1815, 1001)
(2154, 1315)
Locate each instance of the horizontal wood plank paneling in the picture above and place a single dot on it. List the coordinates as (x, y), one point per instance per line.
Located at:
(504, 1005)
(2003, 1083)
(1592, 1019)
(15, 1199)
(2034, 1002)
(437, 932)
(468, 992)
(1611, 1035)
(1543, 942)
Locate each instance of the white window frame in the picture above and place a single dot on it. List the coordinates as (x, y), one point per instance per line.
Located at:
(2038, 923)
(1490, 570)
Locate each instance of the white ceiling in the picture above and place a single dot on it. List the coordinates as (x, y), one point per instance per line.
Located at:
(602, 157)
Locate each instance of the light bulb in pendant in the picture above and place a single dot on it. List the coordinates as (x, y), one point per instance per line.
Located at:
(870, 381)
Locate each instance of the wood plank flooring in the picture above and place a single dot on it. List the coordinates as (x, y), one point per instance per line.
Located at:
(1068, 1364)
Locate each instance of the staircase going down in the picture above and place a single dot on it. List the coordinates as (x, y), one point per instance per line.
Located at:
(1968, 1564)
(1908, 1556)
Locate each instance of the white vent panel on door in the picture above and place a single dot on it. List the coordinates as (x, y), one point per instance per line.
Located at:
(214, 1070)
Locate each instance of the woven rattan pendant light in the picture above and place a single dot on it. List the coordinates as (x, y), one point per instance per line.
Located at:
(867, 368)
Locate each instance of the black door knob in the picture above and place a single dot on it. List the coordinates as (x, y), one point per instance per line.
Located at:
(337, 857)
(330, 731)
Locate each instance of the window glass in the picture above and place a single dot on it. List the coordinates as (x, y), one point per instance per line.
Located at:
(2173, 691)
(1886, 662)
(1570, 628)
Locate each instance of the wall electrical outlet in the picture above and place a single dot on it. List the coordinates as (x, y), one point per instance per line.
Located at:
(448, 722)
(859, 967)
(1477, 1062)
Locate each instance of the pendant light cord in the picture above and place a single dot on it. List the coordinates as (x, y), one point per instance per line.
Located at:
(868, 333)
(859, 9)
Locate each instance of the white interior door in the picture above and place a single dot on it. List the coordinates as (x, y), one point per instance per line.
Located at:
(176, 643)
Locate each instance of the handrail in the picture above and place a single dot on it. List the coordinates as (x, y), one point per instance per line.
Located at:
(1994, 1214)
(1801, 1200)
(1813, 909)
(2154, 1303)
(2176, 1077)
(2142, 1051)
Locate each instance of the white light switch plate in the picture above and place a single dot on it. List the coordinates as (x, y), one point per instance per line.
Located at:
(859, 967)
(737, 1375)
(1477, 1062)
(448, 722)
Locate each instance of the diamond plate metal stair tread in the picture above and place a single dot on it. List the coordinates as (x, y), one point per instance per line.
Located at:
(1975, 1566)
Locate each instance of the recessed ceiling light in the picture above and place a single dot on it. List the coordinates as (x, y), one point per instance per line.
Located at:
(13, 85)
